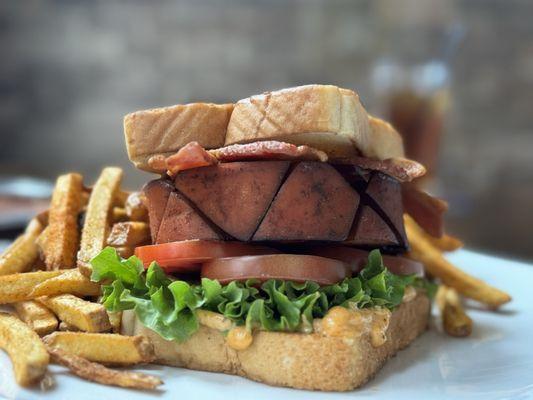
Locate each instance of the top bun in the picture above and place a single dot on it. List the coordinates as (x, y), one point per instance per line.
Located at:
(325, 117)
(163, 131)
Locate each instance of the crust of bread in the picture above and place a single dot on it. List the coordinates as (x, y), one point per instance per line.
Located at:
(385, 141)
(163, 131)
(325, 117)
(298, 360)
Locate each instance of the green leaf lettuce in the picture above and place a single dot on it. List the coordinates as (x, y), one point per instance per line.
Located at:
(169, 306)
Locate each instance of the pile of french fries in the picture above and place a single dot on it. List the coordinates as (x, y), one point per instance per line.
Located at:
(454, 282)
(45, 282)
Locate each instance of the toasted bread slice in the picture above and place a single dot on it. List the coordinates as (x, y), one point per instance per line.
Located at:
(300, 360)
(385, 141)
(163, 131)
(325, 117)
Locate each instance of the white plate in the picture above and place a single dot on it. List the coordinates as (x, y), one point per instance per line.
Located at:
(496, 362)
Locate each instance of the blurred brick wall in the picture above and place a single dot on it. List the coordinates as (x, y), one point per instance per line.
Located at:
(71, 69)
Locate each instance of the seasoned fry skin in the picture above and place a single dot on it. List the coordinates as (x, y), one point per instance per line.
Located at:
(84, 315)
(25, 349)
(443, 243)
(62, 232)
(22, 254)
(98, 373)
(455, 321)
(36, 316)
(97, 217)
(105, 348)
(70, 281)
(18, 287)
(129, 234)
(423, 251)
(135, 208)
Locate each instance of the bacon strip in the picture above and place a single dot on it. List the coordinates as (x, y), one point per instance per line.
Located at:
(402, 169)
(192, 155)
(268, 150)
(426, 210)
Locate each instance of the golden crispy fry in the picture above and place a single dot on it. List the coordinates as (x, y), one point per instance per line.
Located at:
(452, 276)
(23, 252)
(64, 327)
(18, 287)
(28, 354)
(454, 319)
(125, 252)
(120, 198)
(135, 207)
(42, 217)
(95, 229)
(105, 348)
(36, 316)
(444, 243)
(42, 241)
(63, 235)
(70, 281)
(84, 315)
(115, 318)
(98, 373)
(119, 215)
(129, 234)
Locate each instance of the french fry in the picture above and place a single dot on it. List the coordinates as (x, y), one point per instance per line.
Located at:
(125, 252)
(454, 319)
(115, 319)
(36, 316)
(42, 240)
(444, 243)
(452, 276)
(98, 373)
(70, 281)
(23, 252)
(120, 198)
(129, 234)
(84, 315)
(18, 287)
(119, 215)
(25, 349)
(135, 208)
(64, 327)
(63, 236)
(105, 348)
(94, 232)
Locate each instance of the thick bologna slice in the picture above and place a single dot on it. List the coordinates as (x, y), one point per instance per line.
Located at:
(235, 196)
(186, 256)
(290, 267)
(357, 259)
(357, 177)
(182, 222)
(369, 230)
(386, 198)
(314, 203)
(156, 193)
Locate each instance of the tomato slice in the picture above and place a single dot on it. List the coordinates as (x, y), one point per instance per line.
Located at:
(188, 255)
(357, 259)
(291, 267)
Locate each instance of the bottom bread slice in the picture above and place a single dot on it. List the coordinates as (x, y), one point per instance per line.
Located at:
(305, 361)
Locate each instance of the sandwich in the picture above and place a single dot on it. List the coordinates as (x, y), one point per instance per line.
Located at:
(278, 246)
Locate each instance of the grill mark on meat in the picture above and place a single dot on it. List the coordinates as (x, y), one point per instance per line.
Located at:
(218, 230)
(285, 177)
